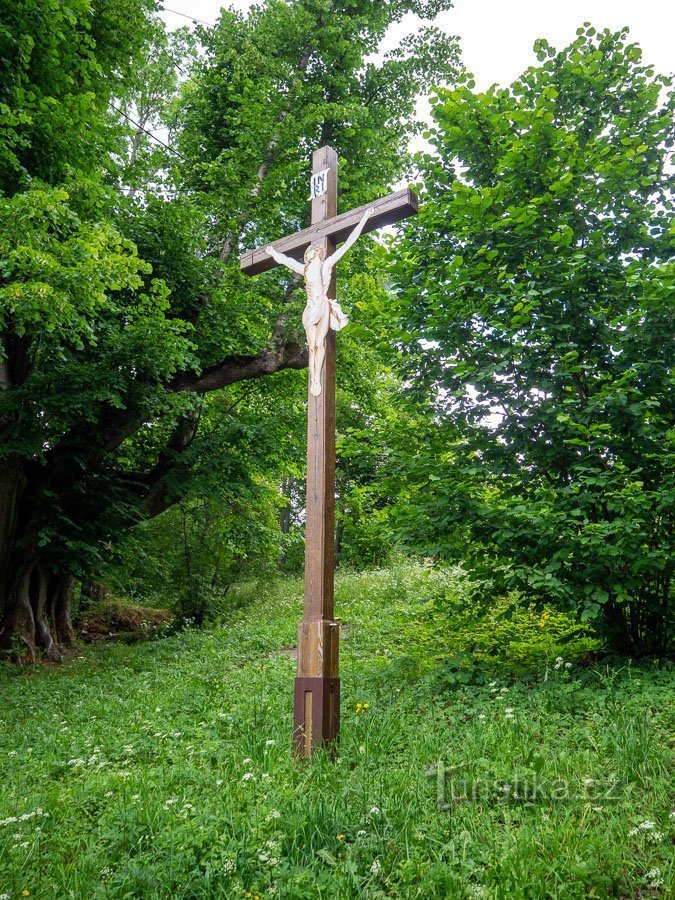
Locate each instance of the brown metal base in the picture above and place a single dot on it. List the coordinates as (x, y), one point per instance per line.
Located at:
(317, 714)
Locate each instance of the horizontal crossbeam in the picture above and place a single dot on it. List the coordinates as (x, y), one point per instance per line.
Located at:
(388, 210)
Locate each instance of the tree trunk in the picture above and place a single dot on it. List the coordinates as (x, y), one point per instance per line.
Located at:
(12, 485)
(36, 617)
(34, 602)
(36, 614)
(286, 511)
(641, 627)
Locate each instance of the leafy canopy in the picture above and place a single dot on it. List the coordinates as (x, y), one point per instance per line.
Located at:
(535, 308)
(121, 300)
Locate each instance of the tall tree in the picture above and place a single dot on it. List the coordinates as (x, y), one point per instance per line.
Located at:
(120, 313)
(535, 299)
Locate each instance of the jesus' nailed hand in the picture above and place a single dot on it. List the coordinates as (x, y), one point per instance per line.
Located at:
(321, 313)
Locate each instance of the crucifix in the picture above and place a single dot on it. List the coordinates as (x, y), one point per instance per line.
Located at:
(312, 253)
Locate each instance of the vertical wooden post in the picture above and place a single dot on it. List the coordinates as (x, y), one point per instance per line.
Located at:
(317, 686)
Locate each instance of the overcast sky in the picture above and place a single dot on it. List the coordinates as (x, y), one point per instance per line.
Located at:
(496, 36)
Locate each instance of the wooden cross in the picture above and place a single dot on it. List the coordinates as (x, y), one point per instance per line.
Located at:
(317, 685)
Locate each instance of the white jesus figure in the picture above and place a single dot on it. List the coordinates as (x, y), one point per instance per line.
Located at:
(321, 313)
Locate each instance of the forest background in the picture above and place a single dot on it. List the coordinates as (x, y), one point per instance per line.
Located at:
(506, 397)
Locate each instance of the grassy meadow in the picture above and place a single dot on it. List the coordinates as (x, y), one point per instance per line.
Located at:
(479, 757)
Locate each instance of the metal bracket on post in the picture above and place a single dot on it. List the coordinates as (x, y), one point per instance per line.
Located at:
(317, 687)
(317, 714)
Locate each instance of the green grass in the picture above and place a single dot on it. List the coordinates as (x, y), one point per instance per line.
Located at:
(163, 770)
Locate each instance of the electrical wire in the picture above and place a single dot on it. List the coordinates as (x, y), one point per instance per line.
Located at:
(149, 133)
(186, 16)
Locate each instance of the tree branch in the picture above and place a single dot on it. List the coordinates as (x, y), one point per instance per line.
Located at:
(290, 355)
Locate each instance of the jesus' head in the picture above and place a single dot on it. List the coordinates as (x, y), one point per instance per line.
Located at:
(313, 251)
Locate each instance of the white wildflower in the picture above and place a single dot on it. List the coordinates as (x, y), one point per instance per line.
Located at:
(646, 826)
(270, 743)
(272, 814)
(654, 877)
(508, 710)
(247, 776)
(482, 716)
(219, 781)
(9, 820)
(375, 811)
(274, 860)
(504, 690)
(376, 867)
(361, 833)
(246, 761)
(568, 665)
(109, 793)
(477, 890)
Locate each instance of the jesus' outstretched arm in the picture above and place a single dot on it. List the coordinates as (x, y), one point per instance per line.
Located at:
(351, 240)
(284, 260)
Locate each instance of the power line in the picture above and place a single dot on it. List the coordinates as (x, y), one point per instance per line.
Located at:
(186, 16)
(149, 133)
(176, 64)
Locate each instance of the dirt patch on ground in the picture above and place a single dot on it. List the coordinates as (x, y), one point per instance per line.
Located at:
(121, 620)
